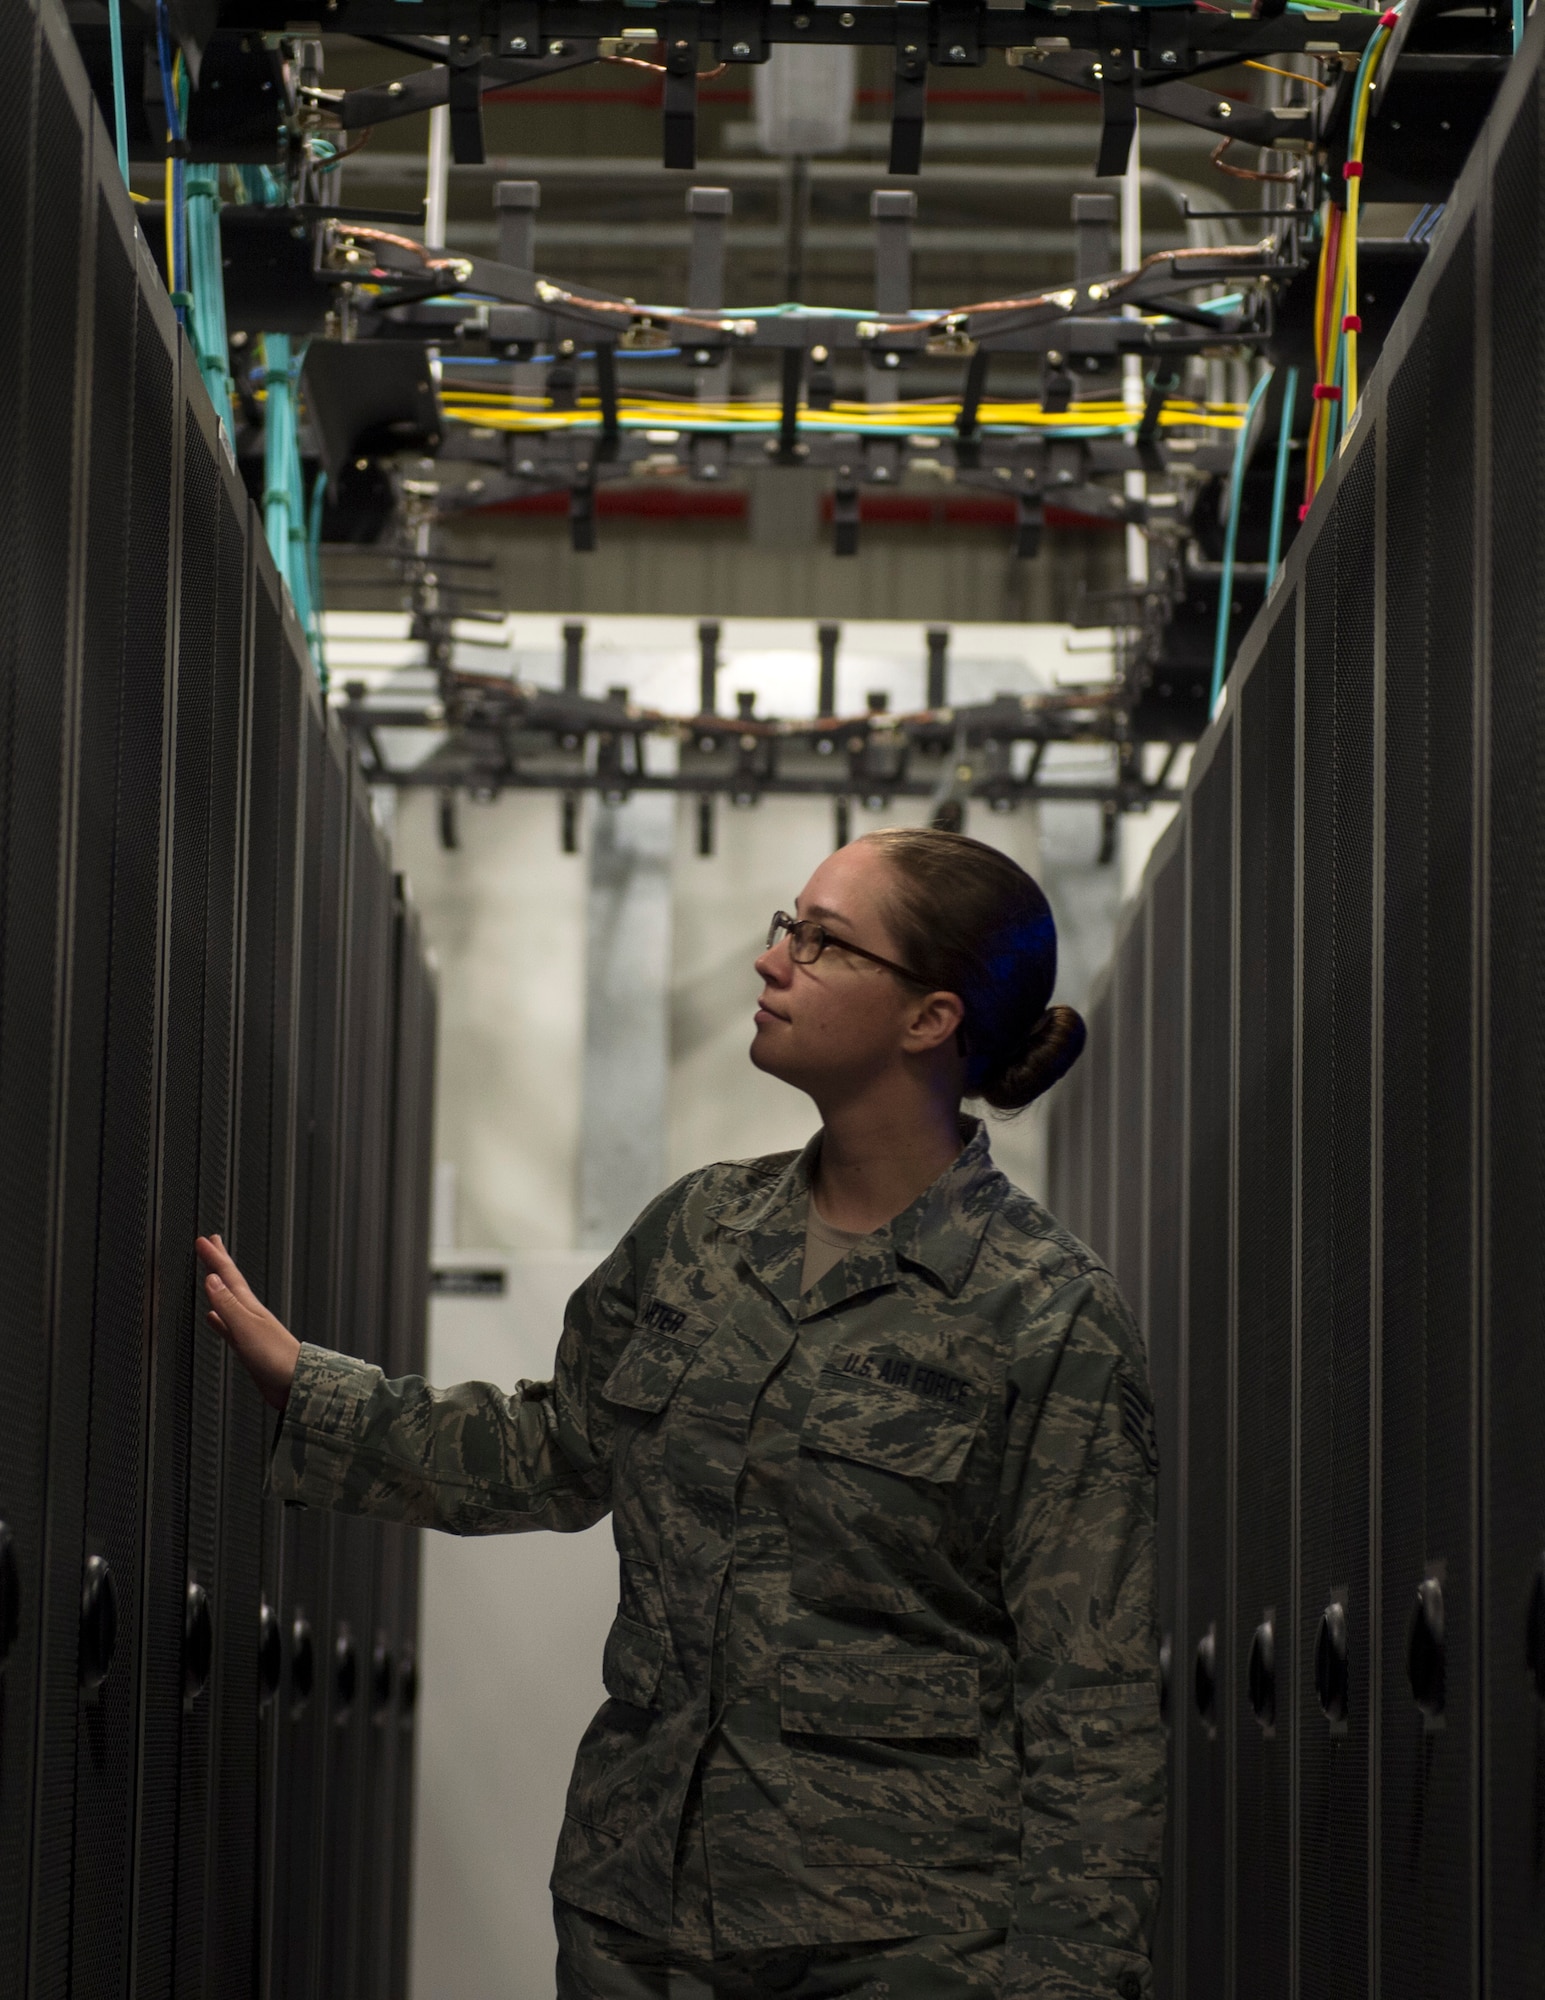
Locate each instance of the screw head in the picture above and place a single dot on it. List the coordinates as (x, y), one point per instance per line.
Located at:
(846, 20)
(957, 53)
(557, 48)
(741, 49)
(801, 20)
(518, 44)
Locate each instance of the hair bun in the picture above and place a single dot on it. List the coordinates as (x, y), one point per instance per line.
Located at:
(1056, 1042)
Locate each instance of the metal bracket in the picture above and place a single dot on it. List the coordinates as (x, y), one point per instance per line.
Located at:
(679, 121)
(909, 89)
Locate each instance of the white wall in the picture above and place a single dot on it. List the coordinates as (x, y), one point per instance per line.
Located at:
(510, 1653)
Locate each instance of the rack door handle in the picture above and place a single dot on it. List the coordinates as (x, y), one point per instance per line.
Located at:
(270, 1655)
(198, 1642)
(98, 1623)
(1332, 1670)
(1426, 1659)
(1206, 1676)
(1261, 1674)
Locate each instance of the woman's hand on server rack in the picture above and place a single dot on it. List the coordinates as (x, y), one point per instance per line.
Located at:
(265, 1349)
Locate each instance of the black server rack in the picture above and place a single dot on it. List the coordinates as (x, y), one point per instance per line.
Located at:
(1262, 1625)
(177, 827)
(1510, 376)
(1426, 1321)
(1129, 1110)
(41, 352)
(1203, 1668)
(1354, 1403)
(1160, 1306)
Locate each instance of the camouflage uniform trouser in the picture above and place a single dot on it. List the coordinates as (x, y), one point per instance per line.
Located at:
(598, 1960)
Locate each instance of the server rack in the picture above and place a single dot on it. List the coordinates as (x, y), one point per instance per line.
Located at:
(1353, 1403)
(176, 823)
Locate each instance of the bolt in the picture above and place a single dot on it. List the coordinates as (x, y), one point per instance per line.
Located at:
(394, 90)
(683, 43)
(1168, 56)
(910, 49)
(801, 20)
(1115, 52)
(846, 20)
(957, 53)
(518, 44)
(556, 48)
(1225, 110)
(741, 49)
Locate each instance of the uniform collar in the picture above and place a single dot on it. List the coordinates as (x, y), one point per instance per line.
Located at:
(940, 1232)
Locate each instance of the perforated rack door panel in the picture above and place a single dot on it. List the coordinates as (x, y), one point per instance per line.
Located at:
(372, 1247)
(1514, 1085)
(1161, 1318)
(26, 1013)
(1263, 1484)
(416, 1204)
(261, 1220)
(1335, 1115)
(228, 1861)
(37, 666)
(301, 1718)
(125, 1219)
(365, 1069)
(1208, 1527)
(1427, 1922)
(87, 675)
(1100, 1200)
(1129, 1111)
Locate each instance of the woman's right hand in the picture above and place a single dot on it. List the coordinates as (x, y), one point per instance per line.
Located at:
(265, 1349)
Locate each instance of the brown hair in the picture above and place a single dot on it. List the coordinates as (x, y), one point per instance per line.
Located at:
(970, 921)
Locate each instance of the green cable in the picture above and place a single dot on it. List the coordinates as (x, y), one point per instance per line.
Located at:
(120, 106)
(1279, 483)
(206, 285)
(1230, 539)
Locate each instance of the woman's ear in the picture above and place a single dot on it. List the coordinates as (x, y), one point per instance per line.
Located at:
(934, 1021)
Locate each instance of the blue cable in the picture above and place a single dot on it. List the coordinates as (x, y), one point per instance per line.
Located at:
(120, 107)
(1230, 539)
(1279, 485)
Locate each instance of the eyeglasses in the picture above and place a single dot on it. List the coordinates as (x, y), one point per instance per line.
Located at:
(808, 939)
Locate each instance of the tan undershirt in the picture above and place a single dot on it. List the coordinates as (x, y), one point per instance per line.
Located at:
(825, 1246)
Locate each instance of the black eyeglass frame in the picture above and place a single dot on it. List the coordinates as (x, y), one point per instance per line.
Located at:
(782, 921)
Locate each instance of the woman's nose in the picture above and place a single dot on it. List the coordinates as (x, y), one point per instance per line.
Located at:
(773, 965)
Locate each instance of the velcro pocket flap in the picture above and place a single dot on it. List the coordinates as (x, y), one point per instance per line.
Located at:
(885, 1694)
(898, 1429)
(653, 1362)
(632, 1662)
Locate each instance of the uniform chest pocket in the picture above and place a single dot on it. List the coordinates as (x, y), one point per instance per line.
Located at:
(646, 1376)
(877, 1462)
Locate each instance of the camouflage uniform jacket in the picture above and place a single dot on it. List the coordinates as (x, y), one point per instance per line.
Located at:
(887, 1567)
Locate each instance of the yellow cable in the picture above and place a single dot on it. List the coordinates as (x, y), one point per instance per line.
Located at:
(171, 232)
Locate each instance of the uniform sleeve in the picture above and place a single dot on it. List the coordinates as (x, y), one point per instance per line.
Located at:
(474, 1459)
(1079, 1575)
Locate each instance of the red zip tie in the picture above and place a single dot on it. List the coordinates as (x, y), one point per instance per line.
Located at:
(1326, 392)
(1352, 171)
(1352, 323)
(1303, 512)
(1388, 20)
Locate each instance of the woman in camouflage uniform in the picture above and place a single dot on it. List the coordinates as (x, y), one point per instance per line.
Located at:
(876, 1440)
